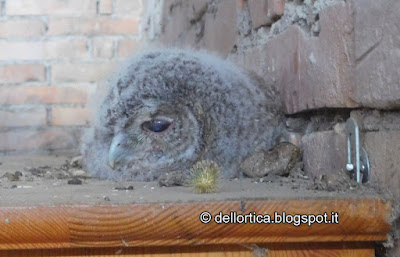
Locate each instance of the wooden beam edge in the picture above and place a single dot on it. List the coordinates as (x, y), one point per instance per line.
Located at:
(178, 224)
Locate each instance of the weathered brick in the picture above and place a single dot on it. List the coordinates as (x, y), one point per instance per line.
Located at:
(326, 65)
(51, 7)
(106, 7)
(377, 50)
(324, 153)
(127, 47)
(48, 139)
(274, 67)
(103, 48)
(383, 148)
(174, 25)
(68, 116)
(220, 28)
(309, 72)
(23, 117)
(81, 72)
(131, 7)
(43, 50)
(277, 7)
(22, 28)
(18, 73)
(200, 27)
(17, 95)
(93, 26)
(265, 12)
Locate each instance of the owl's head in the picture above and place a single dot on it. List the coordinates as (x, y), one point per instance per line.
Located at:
(156, 136)
(156, 115)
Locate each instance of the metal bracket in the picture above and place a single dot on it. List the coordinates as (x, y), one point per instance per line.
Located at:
(361, 166)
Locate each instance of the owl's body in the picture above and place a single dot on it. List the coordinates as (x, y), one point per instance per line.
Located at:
(171, 108)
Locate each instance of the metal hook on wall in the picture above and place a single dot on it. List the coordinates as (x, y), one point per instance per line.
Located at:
(361, 166)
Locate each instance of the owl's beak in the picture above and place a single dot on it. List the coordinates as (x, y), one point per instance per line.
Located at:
(116, 151)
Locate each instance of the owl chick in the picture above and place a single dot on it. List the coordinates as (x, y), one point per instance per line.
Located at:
(168, 109)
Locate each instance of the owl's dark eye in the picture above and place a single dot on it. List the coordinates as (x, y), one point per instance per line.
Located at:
(156, 125)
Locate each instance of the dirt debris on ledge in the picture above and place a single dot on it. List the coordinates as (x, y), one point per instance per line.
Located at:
(44, 180)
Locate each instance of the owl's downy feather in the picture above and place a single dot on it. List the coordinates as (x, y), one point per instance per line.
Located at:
(170, 108)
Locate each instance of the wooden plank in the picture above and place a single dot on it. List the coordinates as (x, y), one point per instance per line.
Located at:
(178, 224)
(274, 250)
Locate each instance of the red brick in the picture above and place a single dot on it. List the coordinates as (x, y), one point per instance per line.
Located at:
(173, 24)
(309, 72)
(69, 116)
(127, 47)
(276, 62)
(22, 73)
(23, 117)
(326, 64)
(324, 153)
(93, 26)
(16, 95)
(49, 139)
(106, 6)
(131, 7)
(277, 7)
(264, 12)
(43, 50)
(22, 28)
(220, 29)
(81, 72)
(383, 149)
(103, 48)
(51, 7)
(198, 28)
(377, 49)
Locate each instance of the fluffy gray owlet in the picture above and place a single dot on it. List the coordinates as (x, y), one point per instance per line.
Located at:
(170, 108)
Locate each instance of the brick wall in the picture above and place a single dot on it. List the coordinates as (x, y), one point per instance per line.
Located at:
(323, 56)
(53, 54)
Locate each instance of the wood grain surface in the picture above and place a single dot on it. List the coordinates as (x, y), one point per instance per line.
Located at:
(271, 250)
(178, 224)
